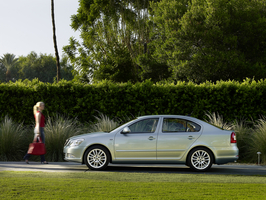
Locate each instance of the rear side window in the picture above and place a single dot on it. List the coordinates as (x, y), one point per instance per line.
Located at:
(179, 125)
(192, 127)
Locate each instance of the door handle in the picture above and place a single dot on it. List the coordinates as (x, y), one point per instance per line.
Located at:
(190, 137)
(151, 138)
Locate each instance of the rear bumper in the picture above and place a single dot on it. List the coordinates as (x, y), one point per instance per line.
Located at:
(221, 161)
(226, 155)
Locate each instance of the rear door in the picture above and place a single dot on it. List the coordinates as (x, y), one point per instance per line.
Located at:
(175, 137)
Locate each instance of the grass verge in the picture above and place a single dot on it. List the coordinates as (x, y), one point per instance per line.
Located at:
(101, 185)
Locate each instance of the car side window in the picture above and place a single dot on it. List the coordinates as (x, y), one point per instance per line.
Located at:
(179, 125)
(174, 125)
(192, 127)
(144, 126)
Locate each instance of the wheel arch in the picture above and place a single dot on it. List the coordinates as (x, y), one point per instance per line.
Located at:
(213, 156)
(92, 145)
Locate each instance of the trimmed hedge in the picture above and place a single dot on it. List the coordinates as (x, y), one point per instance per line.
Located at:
(230, 99)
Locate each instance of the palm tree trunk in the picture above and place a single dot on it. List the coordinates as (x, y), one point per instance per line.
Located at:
(8, 75)
(55, 44)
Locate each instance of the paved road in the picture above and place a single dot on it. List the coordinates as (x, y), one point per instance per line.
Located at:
(236, 169)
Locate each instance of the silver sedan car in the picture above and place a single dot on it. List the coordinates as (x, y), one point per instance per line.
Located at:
(155, 139)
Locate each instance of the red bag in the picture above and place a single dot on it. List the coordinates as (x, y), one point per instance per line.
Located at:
(37, 148)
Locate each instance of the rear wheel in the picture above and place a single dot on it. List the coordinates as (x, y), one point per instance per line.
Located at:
(200, 159)
(97, 158)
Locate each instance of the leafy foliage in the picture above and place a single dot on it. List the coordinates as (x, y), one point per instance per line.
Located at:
(230, 99)
(33, 66)
(194, 40)
(2, 73)
(211, 40)
(114, 42)
(9, 61)
(42, 67)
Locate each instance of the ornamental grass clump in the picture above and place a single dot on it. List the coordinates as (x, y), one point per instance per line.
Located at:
(57, 130)
(258, 141)
(11, 140)
(244, 134)
(217, 120)
(103, 124)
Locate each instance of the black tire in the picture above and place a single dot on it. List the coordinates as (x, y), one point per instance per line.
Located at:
(97, 158)
(200, 159)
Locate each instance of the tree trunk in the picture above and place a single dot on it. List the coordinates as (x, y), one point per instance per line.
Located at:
(8, 75)
(55, 44)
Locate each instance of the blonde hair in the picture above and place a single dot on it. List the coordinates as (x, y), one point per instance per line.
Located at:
(36, 107)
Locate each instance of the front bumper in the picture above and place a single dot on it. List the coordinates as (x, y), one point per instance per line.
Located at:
(73, 154)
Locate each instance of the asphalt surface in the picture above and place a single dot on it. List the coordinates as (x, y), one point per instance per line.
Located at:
(228, 169)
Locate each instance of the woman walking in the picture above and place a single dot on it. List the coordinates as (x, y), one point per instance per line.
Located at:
(39, 128)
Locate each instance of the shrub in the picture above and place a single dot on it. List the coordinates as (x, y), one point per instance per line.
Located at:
(258, 141)
(217, 120)
(244, 133)
(57, 130)
(103, 124)
(231, 99)
(11, 137)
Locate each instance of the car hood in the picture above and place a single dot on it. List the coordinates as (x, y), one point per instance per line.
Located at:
(95, 134)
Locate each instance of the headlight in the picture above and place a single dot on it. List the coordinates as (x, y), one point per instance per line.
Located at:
(77, 142)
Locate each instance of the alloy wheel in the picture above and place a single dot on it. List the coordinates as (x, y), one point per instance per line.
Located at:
(201, 160)
(96, 158)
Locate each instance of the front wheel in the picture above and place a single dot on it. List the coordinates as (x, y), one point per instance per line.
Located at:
(200, 159)
(97, 158)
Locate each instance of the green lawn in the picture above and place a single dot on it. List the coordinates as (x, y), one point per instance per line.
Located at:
(102, 185)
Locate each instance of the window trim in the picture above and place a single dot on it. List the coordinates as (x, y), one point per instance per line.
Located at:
(157, 125)
(185, 128)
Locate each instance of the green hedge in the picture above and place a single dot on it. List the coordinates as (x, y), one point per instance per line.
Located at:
(230, 99)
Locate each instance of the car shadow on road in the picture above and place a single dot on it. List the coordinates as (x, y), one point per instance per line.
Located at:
(215, 170)
(230, 169)
(141, 169)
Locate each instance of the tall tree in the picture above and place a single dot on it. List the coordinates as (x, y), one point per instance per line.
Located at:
(114, 40)
(42, 67)
(55, 43)
(9, 61)
(212, 39)
(2, 73)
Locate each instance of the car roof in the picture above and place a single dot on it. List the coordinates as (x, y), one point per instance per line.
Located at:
(193, 119)
(176, 116)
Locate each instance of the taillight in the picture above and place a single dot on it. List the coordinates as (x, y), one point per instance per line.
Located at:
(233, 137)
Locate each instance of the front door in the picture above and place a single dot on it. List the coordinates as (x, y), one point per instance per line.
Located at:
(139, 144)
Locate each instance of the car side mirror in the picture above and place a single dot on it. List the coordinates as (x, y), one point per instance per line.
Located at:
(125, 130)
